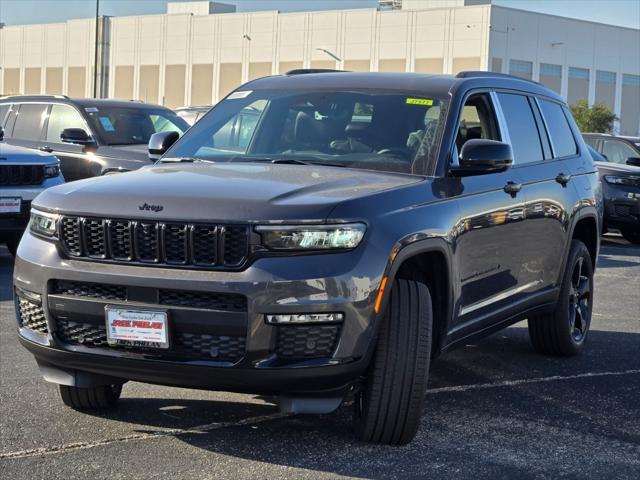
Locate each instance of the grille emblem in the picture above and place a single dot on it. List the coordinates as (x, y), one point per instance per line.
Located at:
(150, 208)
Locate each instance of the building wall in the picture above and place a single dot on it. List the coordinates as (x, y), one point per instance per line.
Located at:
(578, 59)
(187, 59)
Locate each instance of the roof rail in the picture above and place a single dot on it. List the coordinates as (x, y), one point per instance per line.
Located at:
(483, 74)
(20, 95)
(304, 71)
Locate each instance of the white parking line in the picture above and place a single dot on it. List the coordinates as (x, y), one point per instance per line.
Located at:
(37, 452)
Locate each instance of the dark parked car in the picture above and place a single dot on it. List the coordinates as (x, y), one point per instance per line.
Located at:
(89, 136)
(618, 163)
(364, 224)
(24, 173)
(192, 114)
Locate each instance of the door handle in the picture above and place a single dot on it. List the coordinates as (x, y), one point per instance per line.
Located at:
(563, 179)
(46, 149)
(512, 188)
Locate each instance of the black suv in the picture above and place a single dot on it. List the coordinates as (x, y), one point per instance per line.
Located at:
(91, 137)
(353, 227)
(618, 162)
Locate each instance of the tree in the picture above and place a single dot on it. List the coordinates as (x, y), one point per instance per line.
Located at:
(596, 119)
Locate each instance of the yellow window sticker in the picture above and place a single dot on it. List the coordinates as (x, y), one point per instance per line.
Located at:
(419, 101)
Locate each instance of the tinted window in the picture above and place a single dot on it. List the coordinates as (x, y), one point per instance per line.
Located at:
(617, 152)
(117, 125)
(523, 131)
(561, 136)
(3, 113)
(62, 117)
(29, 121)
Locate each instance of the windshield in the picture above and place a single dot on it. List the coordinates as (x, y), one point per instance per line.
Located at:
(377, 130)
(130, 125)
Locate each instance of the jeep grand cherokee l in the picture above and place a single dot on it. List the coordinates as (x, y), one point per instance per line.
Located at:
(90, 136)
(23, 175)
(363, 224)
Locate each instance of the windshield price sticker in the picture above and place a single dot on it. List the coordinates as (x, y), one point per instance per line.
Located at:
(241, 94)
(419, 101)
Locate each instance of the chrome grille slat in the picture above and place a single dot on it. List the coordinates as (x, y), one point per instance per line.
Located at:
(162, 243)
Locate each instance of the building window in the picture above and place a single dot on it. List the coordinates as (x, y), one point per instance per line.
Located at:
(551, 76)
(578, 87)
(496, 65)
(520, 68)
(201, 84)
(174, 85)
(630, 110)
(465, 64)
(606, 88)
(428, 65)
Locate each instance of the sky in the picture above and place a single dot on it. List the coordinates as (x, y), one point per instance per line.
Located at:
(16, 12)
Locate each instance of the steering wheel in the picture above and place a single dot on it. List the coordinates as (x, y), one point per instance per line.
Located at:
(397, 151)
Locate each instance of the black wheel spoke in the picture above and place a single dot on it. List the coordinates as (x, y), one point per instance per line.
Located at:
(584, 287)
(577, 272)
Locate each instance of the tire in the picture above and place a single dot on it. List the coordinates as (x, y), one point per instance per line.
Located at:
(94, 398)
(564, 331)
(631, 236)
(12, 245)
(389, 405)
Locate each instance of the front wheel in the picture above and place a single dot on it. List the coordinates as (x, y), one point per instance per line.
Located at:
(564, 331)
(94, 398)
(631, 236)
(389, 405)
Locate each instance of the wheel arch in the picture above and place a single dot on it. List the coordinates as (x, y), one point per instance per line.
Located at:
(428, 261)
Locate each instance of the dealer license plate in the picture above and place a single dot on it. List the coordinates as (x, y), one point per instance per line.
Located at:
(138, 328)
(10, 204)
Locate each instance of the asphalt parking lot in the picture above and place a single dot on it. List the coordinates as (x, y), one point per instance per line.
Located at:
(495, 409)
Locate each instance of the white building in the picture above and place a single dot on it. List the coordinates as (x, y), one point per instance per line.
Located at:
(199, 51)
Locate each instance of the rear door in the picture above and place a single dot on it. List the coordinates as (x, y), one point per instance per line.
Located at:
(541, 162)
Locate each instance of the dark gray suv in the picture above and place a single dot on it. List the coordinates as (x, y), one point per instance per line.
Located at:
(317, 236)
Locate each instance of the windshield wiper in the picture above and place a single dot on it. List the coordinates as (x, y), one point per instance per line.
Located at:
(184, 160)
(295, 161)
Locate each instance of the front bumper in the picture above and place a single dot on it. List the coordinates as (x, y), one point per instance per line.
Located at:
(328, 283)
(622, 206)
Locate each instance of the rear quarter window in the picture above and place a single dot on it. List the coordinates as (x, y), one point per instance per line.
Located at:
(564, 145)
(29, 121)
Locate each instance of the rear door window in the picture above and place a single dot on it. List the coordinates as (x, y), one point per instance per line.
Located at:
(29, 121)
(523, 130)
(564, 145)
(61, 117)
(4, 109)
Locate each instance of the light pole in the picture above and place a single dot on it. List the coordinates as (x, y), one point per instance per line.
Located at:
(95, 53)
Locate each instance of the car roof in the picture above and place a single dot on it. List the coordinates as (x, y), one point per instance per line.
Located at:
(439, 85)
(81, 102)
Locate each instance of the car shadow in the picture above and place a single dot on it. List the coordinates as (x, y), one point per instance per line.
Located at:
(6, 265)
(325, 444)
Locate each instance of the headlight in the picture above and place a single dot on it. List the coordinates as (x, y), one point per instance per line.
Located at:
(51, 171)
(629, 181)
(312, 237)
(43, 224)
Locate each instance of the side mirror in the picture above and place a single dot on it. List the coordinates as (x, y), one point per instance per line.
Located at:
(633, 161)
(481, 156)
(1, 134)
(160, 142)
(76, 136)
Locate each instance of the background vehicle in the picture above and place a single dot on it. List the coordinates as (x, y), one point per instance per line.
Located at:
(192, 114)
(89, 136)
(24, 173)
(318, 235)
(618, 162)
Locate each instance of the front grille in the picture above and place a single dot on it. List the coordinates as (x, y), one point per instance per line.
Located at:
(173, 244)
(185, 345)
(306, 341)
(211, 301)
(90, 290)
(32, 316)
(11, 175)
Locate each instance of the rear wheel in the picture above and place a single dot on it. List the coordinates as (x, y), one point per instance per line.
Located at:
(564, 331)
(94, 398)
(389, 405)
(632, 236)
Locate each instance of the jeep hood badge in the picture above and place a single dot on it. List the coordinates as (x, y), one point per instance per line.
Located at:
(152, 208)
